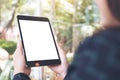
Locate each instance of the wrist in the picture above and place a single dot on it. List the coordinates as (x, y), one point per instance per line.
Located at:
(63, 73)
(16, 71)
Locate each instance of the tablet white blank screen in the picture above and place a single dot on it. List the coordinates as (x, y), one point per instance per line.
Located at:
(38, 40)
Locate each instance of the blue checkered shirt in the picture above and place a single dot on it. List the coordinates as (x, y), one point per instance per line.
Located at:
(97, 58)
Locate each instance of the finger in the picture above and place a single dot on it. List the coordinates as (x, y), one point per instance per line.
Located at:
(18, 50)
(19, 45)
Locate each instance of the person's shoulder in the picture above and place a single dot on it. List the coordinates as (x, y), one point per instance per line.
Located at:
(104, 37)
(107, 32)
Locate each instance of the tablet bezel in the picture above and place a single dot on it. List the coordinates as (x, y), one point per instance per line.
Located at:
(38, 62)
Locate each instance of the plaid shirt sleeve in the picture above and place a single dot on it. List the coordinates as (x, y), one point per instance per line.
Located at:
(98, 58)
(21, 76)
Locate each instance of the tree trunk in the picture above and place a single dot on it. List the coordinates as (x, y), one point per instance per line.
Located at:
(9, 24)
(52, 12)
(74, 22)
(0, 12)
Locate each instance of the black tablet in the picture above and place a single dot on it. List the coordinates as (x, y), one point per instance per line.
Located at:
(38, 41)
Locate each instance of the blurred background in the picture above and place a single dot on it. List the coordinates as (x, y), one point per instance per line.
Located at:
(72, 21)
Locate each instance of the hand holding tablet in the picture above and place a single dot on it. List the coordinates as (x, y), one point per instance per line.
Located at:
(38, 41)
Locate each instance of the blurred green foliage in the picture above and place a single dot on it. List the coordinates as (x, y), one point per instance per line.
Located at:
(0, 70)
(9, 46)
(63, 14)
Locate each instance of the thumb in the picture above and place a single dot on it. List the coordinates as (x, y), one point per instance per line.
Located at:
(19, 48)
(19, 44)
(18, 51)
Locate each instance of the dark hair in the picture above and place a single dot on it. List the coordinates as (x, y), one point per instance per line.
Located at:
(114, 6)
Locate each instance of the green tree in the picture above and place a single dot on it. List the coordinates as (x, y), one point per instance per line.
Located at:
(79, 12)
(8, 10)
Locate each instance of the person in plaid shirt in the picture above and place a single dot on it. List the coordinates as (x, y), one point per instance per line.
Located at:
(96, 58)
